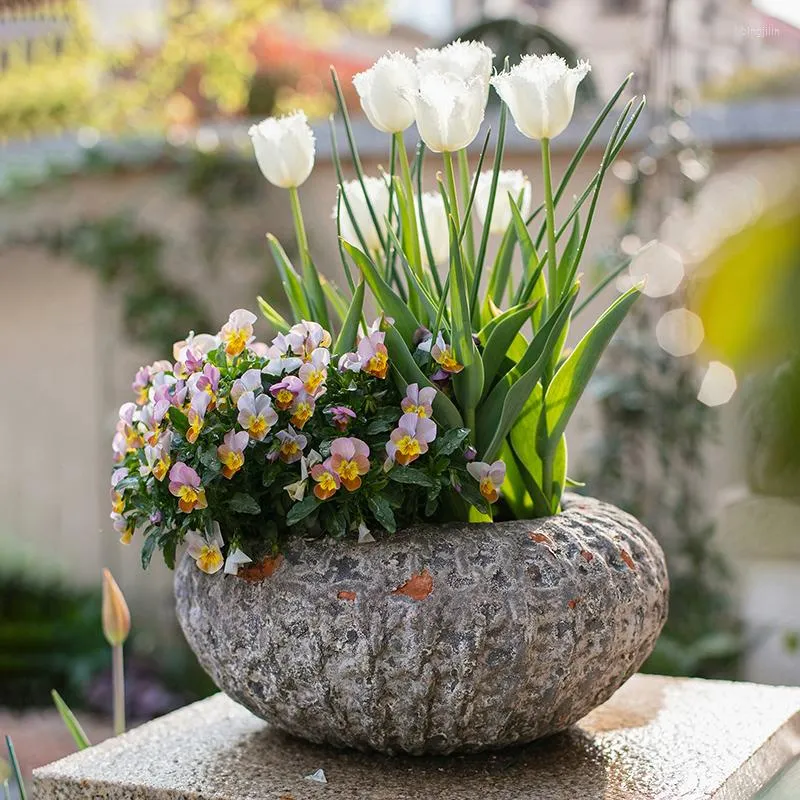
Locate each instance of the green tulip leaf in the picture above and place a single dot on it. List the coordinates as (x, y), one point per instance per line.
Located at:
(346, 341)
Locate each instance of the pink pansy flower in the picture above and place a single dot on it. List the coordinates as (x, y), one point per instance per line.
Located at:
(162, 400)
(199, 344)
(305, 337)
(327, 479)
(303, 408)
(231, 452)
(444, 355)
(123, 527)
(350, 362)
(184, 483)
(279, 361)
(314, 371)
(206, 554)
(341, 416)
(249, 382)
(418, 401)
(256, 414)
(259, 349)
(206, 381)
(410, 439)
(286, 391)
(373, 354)
(490, 477)
(349, 460)
(141, 385)
(237, 332)
(197, 415)
(292, 445)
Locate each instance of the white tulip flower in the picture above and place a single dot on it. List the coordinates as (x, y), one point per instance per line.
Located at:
(384, 90)
(378, 193)
(449, 110)
(466, 60)
(540, 93)
(438, 229)
(509, 181)
(284, 149)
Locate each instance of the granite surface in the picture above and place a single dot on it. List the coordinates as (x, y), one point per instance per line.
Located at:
(440, 639)
(656, 739)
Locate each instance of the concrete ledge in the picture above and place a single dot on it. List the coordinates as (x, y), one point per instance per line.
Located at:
(657, 738)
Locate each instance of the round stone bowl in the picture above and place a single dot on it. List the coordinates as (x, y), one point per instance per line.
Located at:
(440, 639)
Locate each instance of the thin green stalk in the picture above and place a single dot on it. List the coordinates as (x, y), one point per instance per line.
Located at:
(426, 239)
(552, 261)
(118, 682)
(12, 757)
(299, 227)
(389, 247)
(345, 265)
(450, 183)
(414, 255)
(469, 235)
(600, 286)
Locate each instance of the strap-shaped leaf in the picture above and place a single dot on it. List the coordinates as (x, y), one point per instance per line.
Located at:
(532, 265)
(273, 316)
(505, 402)
(571, 380)
(423, 296)
(501, 268)
(390, 303)
(70, 721)
(290, 280)
(346, 341)
(335, 298)
(568, 266)
(502, 333)
(444, 410)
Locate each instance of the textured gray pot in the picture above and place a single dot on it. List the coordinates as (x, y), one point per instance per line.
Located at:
(437, 640)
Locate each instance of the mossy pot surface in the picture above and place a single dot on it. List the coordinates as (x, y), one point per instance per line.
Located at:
(440, 639)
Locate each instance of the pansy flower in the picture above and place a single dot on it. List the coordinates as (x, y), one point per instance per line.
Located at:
(341, 416)
(418, 401)
(184, 483)
(305, 337)
(237, 332)
(197, 415)
(231, 452)
(206, 381)
(410, 439)
(285, 391)
(195, 347)
(207, 554)
(141, 385)
(292, 445)
(157, 458)
(256, 414)
(314, 371)
(279, 360)
(373, 354)
(327, 480)
(490, 477)
(444, 355)
(250, 381)
(123, 526)
(117, 500)
(303, 408)
(349, 460)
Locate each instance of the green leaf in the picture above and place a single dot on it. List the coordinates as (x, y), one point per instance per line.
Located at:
(571, 380)
(503, 332)
(505, 402)
(412, 475)
(274, 317)
(532, 265)
(568, 265)
(335, 298)
(70, 721)
(388, 301)
(346, 341)
(451, 440)
(302, 509)
(423, 295)
(383, 512)
(12, 757)
(147, 549)
(290, 280)
(471, 493)
(244, 504)
(444, 410)
(178, 419)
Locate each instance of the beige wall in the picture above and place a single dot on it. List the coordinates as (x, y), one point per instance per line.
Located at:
(67, 366)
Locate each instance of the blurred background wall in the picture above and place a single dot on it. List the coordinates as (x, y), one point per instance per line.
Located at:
(132, 211)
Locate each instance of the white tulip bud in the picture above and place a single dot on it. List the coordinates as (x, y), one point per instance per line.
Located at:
(437, 226)
(466, 60)
(510, 181)
(449, 110)
(385, 89)
(284, 149)
(378, 193)
(540, 93)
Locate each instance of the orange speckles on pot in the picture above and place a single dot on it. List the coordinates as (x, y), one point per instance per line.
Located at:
(626, 557)
(417, 587)
(574, 602)
(539, 538)
(265, 568)
(346, 594)
(587, 556)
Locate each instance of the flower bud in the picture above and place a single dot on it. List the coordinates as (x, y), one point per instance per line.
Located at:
(116, 617)
(284, 148)
(540, 93)
(384, 90)
(511, 182)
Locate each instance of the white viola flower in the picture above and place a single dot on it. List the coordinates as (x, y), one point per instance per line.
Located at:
(438, 229)
(378, 193)
(449, 110)
(510, 181)
(284, 148)
(384, 90)
(466, 60)
(206, 553)
(235, 560)
(540, 93)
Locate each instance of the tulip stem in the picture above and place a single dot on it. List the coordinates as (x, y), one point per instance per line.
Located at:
(552, 263)
(118, 683)
(299, 226)
(450, 178)
(469, 236)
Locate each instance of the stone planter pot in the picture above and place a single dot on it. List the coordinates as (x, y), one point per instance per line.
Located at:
(441, 639)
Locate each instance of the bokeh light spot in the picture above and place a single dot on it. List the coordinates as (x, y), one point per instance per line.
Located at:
(718, 384)
(660, 266)
(679, 332)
